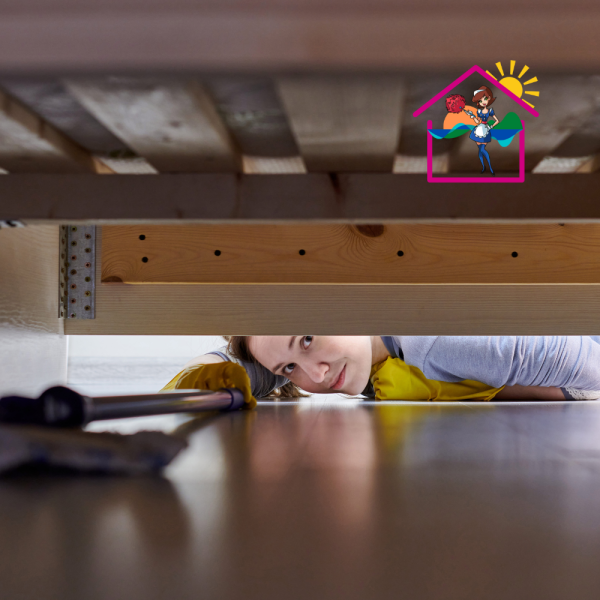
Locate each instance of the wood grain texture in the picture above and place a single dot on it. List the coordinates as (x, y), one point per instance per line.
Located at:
(130, 36)
(343, 310)
(173, 124)
(28, 144)
(347, 254)
(374, 198)
(344, 123)
(411, 309)
(33, 349)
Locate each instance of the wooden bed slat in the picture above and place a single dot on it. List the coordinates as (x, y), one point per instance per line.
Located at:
(28, 144)
(344, 124)
(173, 124)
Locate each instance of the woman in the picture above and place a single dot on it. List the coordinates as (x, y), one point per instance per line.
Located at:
(406, 367)
(482, 133)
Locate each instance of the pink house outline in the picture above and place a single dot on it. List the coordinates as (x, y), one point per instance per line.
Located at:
(497, 84)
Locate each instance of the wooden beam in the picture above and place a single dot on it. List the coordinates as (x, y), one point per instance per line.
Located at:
(343, 310)
(112, 36)
(412, 309)
(347, 254)
(351, 198)
(173, 124)
(344, 124)
(29, 144)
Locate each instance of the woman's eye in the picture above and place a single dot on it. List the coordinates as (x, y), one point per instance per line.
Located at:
(305, 342)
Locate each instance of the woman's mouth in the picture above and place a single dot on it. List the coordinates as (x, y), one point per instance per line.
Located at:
(339, 382)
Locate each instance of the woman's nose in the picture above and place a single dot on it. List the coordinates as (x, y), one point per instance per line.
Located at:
(316, 371)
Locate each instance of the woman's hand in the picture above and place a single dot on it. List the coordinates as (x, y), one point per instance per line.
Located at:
(215, 377)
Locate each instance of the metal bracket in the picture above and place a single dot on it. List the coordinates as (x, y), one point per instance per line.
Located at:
(12, 224)
(77, 275)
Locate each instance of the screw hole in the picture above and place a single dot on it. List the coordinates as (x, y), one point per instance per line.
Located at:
(88, 279)
(88, 293)
(73, 286)
(86, 308)
(88, 236)
(73, 228)
(142, 237)
(73, 300)
(217, 253)
(73, 272)
(301, 252)
(145, 259)
(88, 264)
(400, 253)
(515, 254)
(72, 315)
(88, 250)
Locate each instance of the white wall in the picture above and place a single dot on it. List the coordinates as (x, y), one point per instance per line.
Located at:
(137, 346)
(129, 364)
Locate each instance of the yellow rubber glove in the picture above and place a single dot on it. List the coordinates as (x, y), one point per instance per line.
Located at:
(214, 377)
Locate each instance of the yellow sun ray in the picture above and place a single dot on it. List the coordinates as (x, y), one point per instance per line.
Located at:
(491, 75)
(533, 93)
(532, 80)
(499, 65)
(512, 66)
(525, 69)
(532, 106)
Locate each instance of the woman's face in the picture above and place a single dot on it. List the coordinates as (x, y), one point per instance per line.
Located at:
(484, 101)
(320, 364)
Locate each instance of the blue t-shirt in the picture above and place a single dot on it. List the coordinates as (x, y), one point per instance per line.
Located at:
(547, 361)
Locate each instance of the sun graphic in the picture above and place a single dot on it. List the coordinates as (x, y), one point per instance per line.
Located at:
(513, 83)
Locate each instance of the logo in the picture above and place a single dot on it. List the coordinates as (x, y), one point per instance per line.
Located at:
(472, 114)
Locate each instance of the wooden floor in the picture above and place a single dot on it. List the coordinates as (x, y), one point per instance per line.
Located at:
(326, 498)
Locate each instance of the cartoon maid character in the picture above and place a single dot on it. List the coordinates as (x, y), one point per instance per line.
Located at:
(482, 133)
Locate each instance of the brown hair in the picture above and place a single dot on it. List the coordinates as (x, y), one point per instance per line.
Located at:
(237, 346)
(485, 92)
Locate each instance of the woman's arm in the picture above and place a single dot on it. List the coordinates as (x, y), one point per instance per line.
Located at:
(521, 392)
(547, 361)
